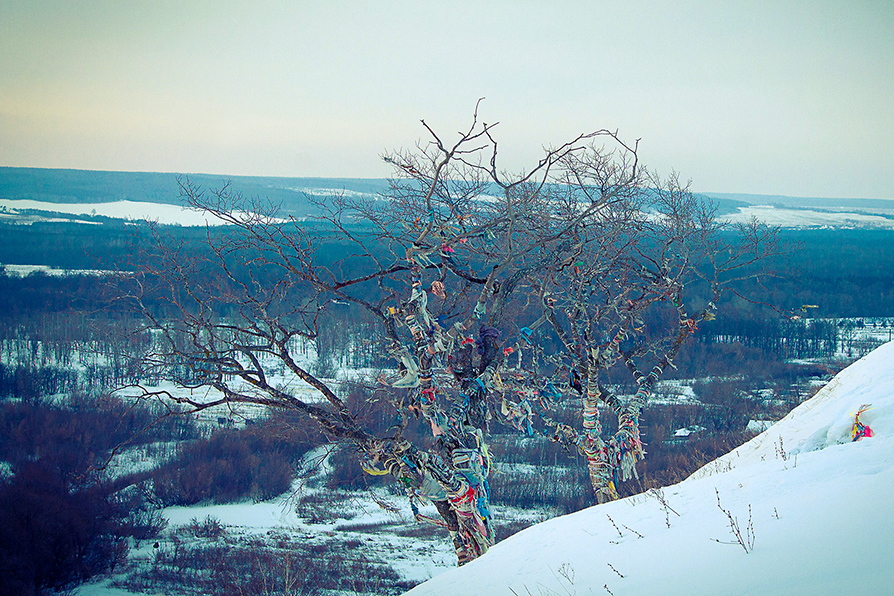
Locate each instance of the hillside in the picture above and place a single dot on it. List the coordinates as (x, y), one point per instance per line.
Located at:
(811, 507)
(39, 194)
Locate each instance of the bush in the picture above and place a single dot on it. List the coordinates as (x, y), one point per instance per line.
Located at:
(727, 407)
(669, 463)
(210, 527)
(258, 463)
(260, 567)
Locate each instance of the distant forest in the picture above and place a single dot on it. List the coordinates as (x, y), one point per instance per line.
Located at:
(845, 273)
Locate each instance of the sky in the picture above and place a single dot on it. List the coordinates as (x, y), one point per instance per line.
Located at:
(779, 97)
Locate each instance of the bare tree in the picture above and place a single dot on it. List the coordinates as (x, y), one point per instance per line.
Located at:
(498, 295)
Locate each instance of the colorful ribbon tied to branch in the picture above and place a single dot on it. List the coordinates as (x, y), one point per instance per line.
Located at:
(861, 429)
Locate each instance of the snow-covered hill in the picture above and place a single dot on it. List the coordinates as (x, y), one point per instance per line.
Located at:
(811, 506)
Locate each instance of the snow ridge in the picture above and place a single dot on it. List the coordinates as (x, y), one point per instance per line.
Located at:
(810, 504)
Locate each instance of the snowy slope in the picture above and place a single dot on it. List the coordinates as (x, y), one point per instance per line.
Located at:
(820, 519)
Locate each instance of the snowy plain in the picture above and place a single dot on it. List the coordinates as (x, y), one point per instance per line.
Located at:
(128, 210)
(809, 218)
(10, 212)
(811, 506)
(801, 218)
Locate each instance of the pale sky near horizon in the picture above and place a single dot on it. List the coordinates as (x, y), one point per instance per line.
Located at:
(776, 97)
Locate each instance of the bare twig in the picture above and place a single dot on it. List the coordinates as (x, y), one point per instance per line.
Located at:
(746, 541)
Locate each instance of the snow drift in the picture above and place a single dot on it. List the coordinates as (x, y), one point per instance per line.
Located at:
(809, 504)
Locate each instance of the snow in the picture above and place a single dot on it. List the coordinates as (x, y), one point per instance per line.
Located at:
(128, 210)
(332, 192)
(25, 270)
(102, 587)
(685, 432)
(674, 392)
(844, 217)
(808, 218)
(758, 426)
(414, 559)
(811, 506)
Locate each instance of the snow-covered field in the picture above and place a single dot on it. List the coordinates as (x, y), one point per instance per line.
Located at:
(372, 524)
(808, 218)
(174, 214)
(415, 559)
(10, 212)
(800, 509)
(25, 270)
(128, 210)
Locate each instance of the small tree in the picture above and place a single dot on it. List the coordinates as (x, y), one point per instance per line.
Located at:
(499, 295)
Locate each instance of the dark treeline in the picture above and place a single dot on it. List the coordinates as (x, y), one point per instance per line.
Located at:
(29, 383)
(845, 273)
(46, 320)
(785, 338)
(108, 248)
(71, 245)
